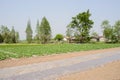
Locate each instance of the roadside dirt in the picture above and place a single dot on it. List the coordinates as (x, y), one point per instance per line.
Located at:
(38, 59)
(110, 71)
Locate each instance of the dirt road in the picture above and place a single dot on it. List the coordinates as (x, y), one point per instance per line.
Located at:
(64, 66)
(110, 71)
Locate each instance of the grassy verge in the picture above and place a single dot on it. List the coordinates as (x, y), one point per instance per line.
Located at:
(28, 50)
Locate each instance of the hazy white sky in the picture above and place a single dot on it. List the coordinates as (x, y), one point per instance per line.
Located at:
(58, 12)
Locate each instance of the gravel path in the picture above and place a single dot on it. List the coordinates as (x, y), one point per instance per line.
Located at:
(53, 69)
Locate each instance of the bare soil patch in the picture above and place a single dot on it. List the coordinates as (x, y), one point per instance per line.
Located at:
(38, 59)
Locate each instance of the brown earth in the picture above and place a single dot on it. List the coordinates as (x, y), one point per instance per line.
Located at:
(38, 59)
(110, 71)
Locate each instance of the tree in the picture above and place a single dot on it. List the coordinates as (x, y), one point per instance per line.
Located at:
(17, 36)
(29, 32)
(45, 31)
(95, 35)
(37, 37)
(59, 37)
(117, 30)
(13, 37)
(69, 33)
(5, 33)
(8, 36)
(107, 30)
(1, 39)
(82, 25)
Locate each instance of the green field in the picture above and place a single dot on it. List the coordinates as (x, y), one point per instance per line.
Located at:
(28, 50)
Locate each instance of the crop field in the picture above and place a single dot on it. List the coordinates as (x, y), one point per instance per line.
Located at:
(28, 50)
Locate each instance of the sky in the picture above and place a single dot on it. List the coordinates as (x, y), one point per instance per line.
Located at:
(58, 12)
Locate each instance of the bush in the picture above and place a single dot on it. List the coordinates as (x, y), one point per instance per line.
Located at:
(59, 37)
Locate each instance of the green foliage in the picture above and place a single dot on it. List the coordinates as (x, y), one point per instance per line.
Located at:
(27, 50)
(17, 36)
(13, 37)
(117, 30)
(111, 33)
(105, 24)
(107, 30)
(38, 27)
(7, 36)
(1, 39)
(37, 37)
(5, 32)
(69, 33)
(45, 31)
(82, 25)
(95, 36)
(59, 37)
(29, 32)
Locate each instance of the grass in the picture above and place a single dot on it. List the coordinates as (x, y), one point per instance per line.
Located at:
(28, 50)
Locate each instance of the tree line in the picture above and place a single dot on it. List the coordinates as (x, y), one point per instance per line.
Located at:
(111, 33)
(79, 28)
(43, 31)
(80, 24)
(8, 36)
